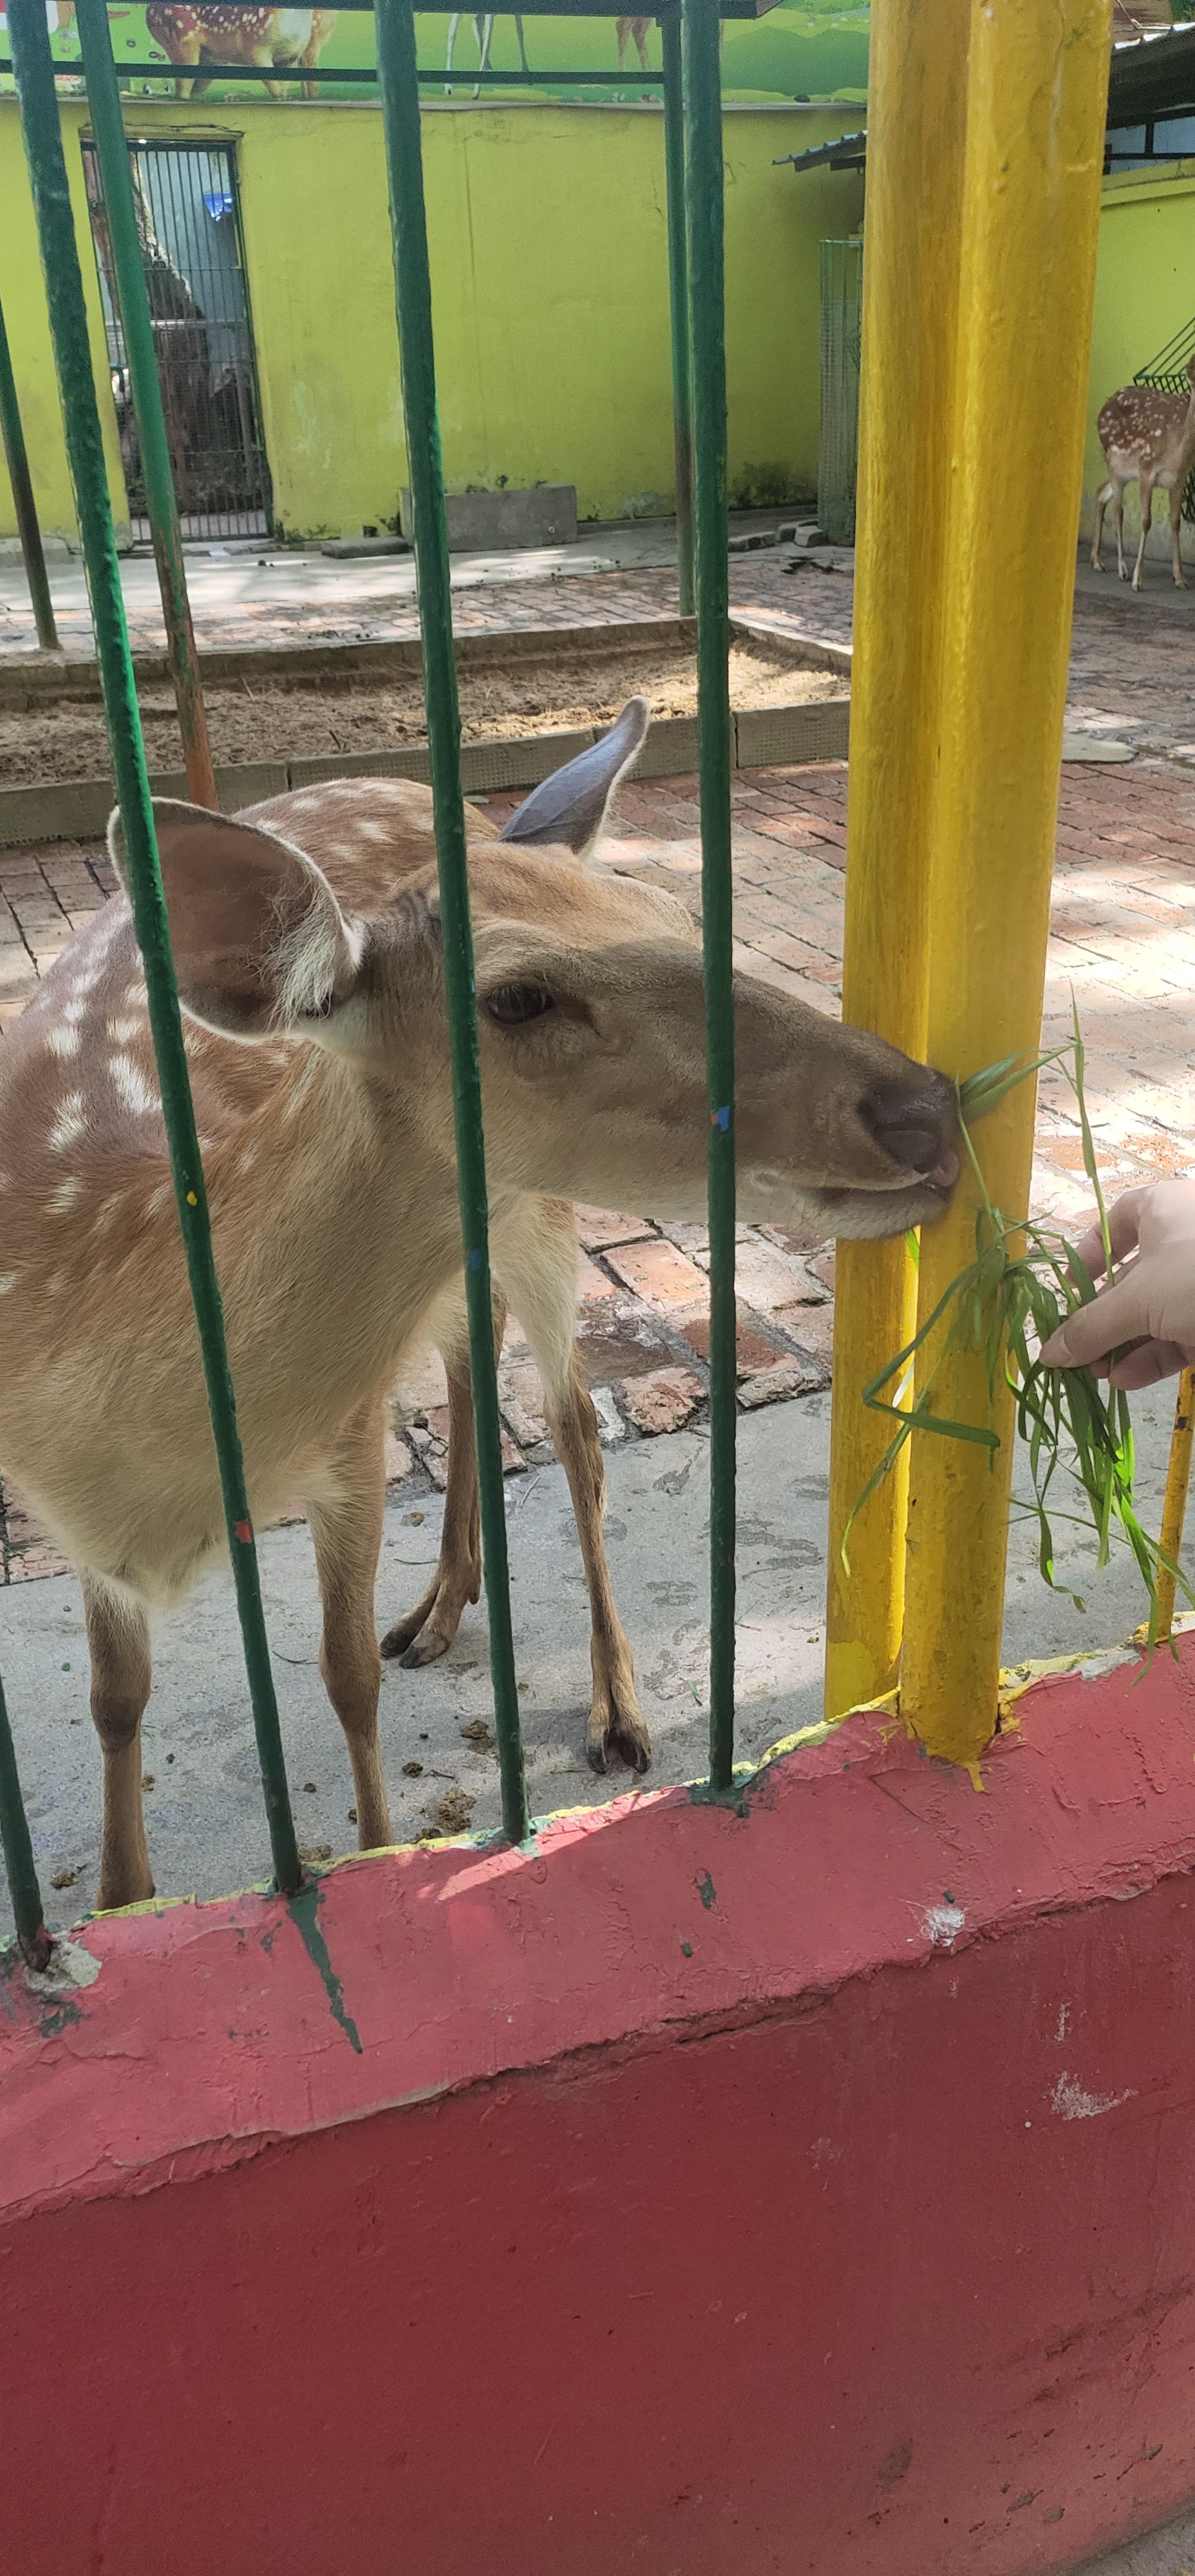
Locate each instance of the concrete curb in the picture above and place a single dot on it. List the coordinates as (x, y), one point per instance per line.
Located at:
(78, 808)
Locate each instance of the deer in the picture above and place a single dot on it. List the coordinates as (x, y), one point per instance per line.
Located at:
(483, 29)
(307, 944)
(279, 38)
(636, 31)
(1148, 437)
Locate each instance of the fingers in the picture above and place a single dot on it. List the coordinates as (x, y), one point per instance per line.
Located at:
(1115, 1316)
(1146, 1364)
(1124, 1225)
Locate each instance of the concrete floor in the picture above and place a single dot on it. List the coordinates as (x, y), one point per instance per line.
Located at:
(1170, 2551)
(204, 1808)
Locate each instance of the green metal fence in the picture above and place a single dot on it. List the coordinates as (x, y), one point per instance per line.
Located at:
(693, 138)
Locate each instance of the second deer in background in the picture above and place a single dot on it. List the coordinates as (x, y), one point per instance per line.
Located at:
(1148, 438)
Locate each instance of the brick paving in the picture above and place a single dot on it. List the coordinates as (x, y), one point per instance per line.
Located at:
(1123, 940)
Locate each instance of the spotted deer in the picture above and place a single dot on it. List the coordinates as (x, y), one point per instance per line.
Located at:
(1148, 438)
(270, 39)
(307, 944)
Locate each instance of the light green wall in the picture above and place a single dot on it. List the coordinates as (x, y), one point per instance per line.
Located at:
(549, 256)
(1145, 292)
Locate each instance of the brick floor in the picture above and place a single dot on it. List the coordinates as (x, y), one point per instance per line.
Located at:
(1123, 937)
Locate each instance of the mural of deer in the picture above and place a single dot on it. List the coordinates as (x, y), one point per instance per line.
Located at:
(636, 31)
(307, 945)
(1148, 438)
(483, 29)
(292, 39)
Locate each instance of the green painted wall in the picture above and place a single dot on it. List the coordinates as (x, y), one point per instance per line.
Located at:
(550, 264)
(1145, 292)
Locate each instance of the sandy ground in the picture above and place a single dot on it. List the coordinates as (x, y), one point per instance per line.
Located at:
(262, 719)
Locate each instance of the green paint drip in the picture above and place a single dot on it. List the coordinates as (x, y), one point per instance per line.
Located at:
(304, 1906)
(706, 1889)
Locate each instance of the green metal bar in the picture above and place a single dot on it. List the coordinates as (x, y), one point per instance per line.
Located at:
(404, 160)
(72, 358)
(112, 152)
(332, 76)
(678, 289)
(32, 1936)
(23, 501)
(703, 193)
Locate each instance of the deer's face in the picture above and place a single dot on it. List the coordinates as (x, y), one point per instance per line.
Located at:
(591, 1022)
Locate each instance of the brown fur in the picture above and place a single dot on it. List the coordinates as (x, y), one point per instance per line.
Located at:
(1148, 437)
(329, 1157)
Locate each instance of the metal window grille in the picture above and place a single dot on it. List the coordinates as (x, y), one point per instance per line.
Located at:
(189, 227)
(695, 176)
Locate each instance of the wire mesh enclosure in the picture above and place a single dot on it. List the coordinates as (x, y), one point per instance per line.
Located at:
(841, 319)
(189, 231)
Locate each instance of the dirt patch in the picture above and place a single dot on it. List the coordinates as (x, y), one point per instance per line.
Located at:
(273, 719)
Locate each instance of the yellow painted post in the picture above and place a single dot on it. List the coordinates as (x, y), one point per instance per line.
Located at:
(1037, 95)
(915, 132)
(1174, 1509)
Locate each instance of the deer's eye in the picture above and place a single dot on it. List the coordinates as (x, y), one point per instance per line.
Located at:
(512, 1004)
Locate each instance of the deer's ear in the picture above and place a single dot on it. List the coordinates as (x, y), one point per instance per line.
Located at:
(568, 811)
(259, 941)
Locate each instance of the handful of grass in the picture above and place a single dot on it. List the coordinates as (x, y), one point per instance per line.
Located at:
(1077, 1432)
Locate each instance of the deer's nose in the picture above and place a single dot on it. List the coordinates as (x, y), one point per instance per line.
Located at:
(917, 1128)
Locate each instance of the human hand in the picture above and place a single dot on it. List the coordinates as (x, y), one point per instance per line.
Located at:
(1147, 1312)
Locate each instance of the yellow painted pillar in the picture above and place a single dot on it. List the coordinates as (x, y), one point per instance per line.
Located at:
(915, 134)
(1037, 96)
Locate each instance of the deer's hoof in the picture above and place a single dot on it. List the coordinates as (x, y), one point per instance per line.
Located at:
(618, 1735)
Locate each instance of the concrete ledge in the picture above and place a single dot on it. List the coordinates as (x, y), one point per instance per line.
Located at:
(78, 809)
(806, 2181)
(775, 736)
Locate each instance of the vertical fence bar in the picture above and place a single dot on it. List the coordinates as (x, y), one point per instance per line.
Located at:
(678, 292)
(1174, 1508)
(32, 1936)
(703, 195)
(103, 96)
(72, 357)
(916, 117)
(1037, 100)
(398, 83)
(23, 502)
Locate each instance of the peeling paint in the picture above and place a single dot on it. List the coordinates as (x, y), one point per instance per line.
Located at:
(942, 1925)
(1070, 2101)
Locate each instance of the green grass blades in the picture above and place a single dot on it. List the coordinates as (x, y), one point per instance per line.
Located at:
(1024, 1279)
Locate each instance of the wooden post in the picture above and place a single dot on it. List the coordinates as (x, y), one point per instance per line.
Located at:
(915, 130)
(1037, 98)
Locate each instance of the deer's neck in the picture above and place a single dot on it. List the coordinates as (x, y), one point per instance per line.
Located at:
(335, 1225)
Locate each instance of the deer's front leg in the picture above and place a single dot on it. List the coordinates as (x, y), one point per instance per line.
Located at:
(537, 1255)
(347, 1532)
(428, 1630)
(118, 1640)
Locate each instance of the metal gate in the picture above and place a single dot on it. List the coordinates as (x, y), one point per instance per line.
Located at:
(842, 305)
(189, 227)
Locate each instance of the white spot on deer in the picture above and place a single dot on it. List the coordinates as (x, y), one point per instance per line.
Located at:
(74, 1012)
(129, 1082)
(374, 831)
(69, 1124)
(107, 1215)
(64, 1197)
(63, 1040)
(942, 1924)
(158, 1199)
(8, 1283)
(1071, 2101)
(125, 1028)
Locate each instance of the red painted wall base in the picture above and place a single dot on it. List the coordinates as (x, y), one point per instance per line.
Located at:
(811, 2189)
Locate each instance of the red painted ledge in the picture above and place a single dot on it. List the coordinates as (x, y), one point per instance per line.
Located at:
(810, 2188)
